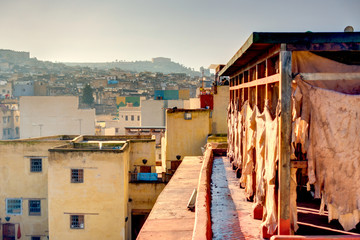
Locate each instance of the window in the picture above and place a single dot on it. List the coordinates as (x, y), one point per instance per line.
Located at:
(34, 207)
(77, 175)
(187, 116)
(138, 117)
(77, 221)
(132, 117)
(126, 118)
(17, 130)
(35, 165)
(13, 206)
(4, 119)
(35, 238)
(4, 132)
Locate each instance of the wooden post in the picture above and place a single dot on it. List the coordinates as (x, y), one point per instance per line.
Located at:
(284, 142)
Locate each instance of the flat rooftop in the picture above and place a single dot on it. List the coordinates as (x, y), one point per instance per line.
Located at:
(170, 218)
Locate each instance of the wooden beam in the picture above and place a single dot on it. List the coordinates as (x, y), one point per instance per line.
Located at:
(330, 76)
(266, 55)
(340, 46)
(261, 81)
(284, 142)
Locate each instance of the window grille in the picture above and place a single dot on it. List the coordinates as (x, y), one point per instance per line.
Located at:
(35, 164)
(13, 206)
(77, 175)
(77, 221)
(34, 207)
(187, 116)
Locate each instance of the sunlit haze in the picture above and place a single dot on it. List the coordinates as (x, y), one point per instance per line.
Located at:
(192, 32)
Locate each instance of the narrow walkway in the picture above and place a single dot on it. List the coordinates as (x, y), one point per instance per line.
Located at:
(170, 218)
(230, 212)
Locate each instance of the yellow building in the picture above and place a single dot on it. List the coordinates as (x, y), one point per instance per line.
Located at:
(24, 190)
(219, 114)
(186, 133)
(90, 196)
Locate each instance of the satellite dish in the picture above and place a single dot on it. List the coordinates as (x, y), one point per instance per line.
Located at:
(349, 29)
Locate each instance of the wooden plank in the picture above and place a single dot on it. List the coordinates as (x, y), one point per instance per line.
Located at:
(324, 47)
(261, 81)
(327, 229)
(330, 76)
(266, 55)
(284, 142)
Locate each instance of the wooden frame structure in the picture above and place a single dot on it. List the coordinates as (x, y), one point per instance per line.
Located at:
(262, 70)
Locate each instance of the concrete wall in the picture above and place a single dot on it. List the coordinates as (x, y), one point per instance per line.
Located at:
(144, 195)
(140, 150)
(152, 113)
(174, 103)
(186, 137)
(102, 197)
(219, 115)
(194, 103)
(55, 115)
(17, 181)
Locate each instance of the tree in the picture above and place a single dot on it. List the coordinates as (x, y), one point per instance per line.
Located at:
(87, 96)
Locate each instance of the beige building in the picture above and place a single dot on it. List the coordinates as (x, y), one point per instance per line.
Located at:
(107, 125)
(192, 103)
(186, 132)
(129, 117)
(24, 188)
(219, 113)
(97, 184)
(54, 115)
(9, 119)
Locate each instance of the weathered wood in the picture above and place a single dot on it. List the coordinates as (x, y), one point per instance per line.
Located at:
(269, 53)
(323, 47)
(330, 76)
(307, 41)
(261, 81)
(284, 142)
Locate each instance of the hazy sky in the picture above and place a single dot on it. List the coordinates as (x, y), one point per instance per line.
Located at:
(192, 32)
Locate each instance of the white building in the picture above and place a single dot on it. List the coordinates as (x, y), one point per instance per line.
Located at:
(54, 115)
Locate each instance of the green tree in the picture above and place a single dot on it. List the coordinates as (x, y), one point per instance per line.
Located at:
(87, 96)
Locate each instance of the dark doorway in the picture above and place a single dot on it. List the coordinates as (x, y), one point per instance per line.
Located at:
(145, 169)
(137, 221)
(8, 231)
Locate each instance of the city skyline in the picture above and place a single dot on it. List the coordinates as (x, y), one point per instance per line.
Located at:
(193, 33)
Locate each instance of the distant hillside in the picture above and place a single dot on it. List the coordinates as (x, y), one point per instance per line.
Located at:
(160, 64)
(142, 66)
